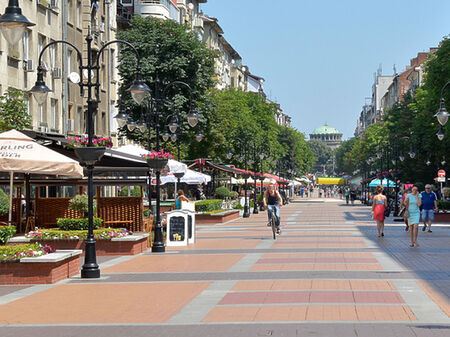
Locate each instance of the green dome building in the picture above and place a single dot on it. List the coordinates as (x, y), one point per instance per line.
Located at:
(329, 135)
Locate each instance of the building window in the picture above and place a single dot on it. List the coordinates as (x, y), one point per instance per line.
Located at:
(69, 61)
(54, 114)
(78, 14)
(80, 125)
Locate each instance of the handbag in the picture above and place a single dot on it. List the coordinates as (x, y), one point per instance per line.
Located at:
(402, 212)
(406, 214)
(387, 211)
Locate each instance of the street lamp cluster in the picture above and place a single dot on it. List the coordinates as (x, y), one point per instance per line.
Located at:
(155, 111)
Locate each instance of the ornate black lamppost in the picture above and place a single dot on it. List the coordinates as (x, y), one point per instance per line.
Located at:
(89, 155)
(258, 156)
(155, 110)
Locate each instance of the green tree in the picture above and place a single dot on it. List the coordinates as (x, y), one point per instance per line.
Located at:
(13, 110)
(323, 154)
(169, 52)
(343, 164)
(296, 149)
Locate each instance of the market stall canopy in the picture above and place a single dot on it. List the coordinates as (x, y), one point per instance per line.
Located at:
(355, 181)
(376, 182)
(20, 153)
(331, 181)
(190, 177)
(137, 151)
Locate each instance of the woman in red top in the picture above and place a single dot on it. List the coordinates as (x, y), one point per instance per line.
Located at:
(379, 205)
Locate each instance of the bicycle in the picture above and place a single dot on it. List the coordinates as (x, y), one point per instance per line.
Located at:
(273, 224)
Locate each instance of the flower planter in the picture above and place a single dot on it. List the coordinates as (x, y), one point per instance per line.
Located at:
(442, 218)
(128, 245)
(45, 269)
(216, 218)
(157, 164)
(89, 155)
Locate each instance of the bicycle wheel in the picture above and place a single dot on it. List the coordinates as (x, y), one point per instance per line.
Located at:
(274, 226)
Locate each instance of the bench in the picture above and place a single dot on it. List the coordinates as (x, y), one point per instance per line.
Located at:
(112, 223)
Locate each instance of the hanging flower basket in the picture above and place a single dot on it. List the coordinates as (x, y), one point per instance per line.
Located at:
(89, 155)
(157, 164)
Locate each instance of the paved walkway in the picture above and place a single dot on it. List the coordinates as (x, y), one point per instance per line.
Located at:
(327, 275)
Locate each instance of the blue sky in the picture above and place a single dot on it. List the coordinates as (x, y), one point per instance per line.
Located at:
(318, 57)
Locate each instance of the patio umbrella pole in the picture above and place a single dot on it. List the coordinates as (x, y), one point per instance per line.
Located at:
(11, 187)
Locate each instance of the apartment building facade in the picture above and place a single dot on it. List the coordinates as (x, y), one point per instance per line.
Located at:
(64, 112)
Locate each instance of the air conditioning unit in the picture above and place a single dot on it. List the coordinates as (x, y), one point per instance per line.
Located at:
(57, 72)
(101, 27)
(70, 125)
(28, 65)
(53, 4)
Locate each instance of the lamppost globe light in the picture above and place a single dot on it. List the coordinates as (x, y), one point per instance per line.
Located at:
(13, 23)
(261, 155)
(443, 162)
(192, 119)
(394, 161)
(142, 127)
(121, 119)
(428, 162)
(442, 115)
(440, 134)
(173, 137)
(199, 136)
(138, 89)
(412, 154)
(166, 136)
(229, 155)
(131, 125)
(378, 155)
(173, 126)
(40, 90)
(401, 157)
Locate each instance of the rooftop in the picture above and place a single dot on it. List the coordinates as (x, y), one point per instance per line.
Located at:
(325, 129)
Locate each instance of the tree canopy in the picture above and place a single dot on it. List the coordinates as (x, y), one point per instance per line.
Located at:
(13, 110)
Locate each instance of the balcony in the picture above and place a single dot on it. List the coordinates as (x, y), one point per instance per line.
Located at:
(123, 16)
(164, 9)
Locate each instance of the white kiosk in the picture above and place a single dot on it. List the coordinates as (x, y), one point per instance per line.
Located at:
(177, 228)
(189, 208)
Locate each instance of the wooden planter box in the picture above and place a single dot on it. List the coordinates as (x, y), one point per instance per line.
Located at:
(129, 245)
(216, 218)
(45, 269)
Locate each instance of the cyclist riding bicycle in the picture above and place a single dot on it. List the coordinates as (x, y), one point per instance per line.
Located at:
(272, 201)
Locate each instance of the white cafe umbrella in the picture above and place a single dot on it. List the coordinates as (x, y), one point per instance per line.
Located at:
(20, 153)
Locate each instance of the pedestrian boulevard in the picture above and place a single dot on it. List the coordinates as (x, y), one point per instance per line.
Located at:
(328, 274)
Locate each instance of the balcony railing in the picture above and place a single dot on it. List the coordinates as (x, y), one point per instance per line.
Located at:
(172, 10)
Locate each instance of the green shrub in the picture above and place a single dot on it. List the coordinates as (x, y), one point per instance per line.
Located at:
(208, 205)
(239, 206)
(55, 234)
(16, 252)
(444, 205)
(222, 192)
(446, 191)
(67, 224)
(147, 212)
(80, 203)
(6, 232)
(234, 195)
(4, 202)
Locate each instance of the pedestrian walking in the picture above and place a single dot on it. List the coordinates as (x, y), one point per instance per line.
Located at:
(429, 206)
(404, 208)
(379, 205)
(347, 195)
(413, 202)
(352, 196)
(311, 191)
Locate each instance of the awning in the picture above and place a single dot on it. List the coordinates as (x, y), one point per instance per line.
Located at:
(331, 181)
